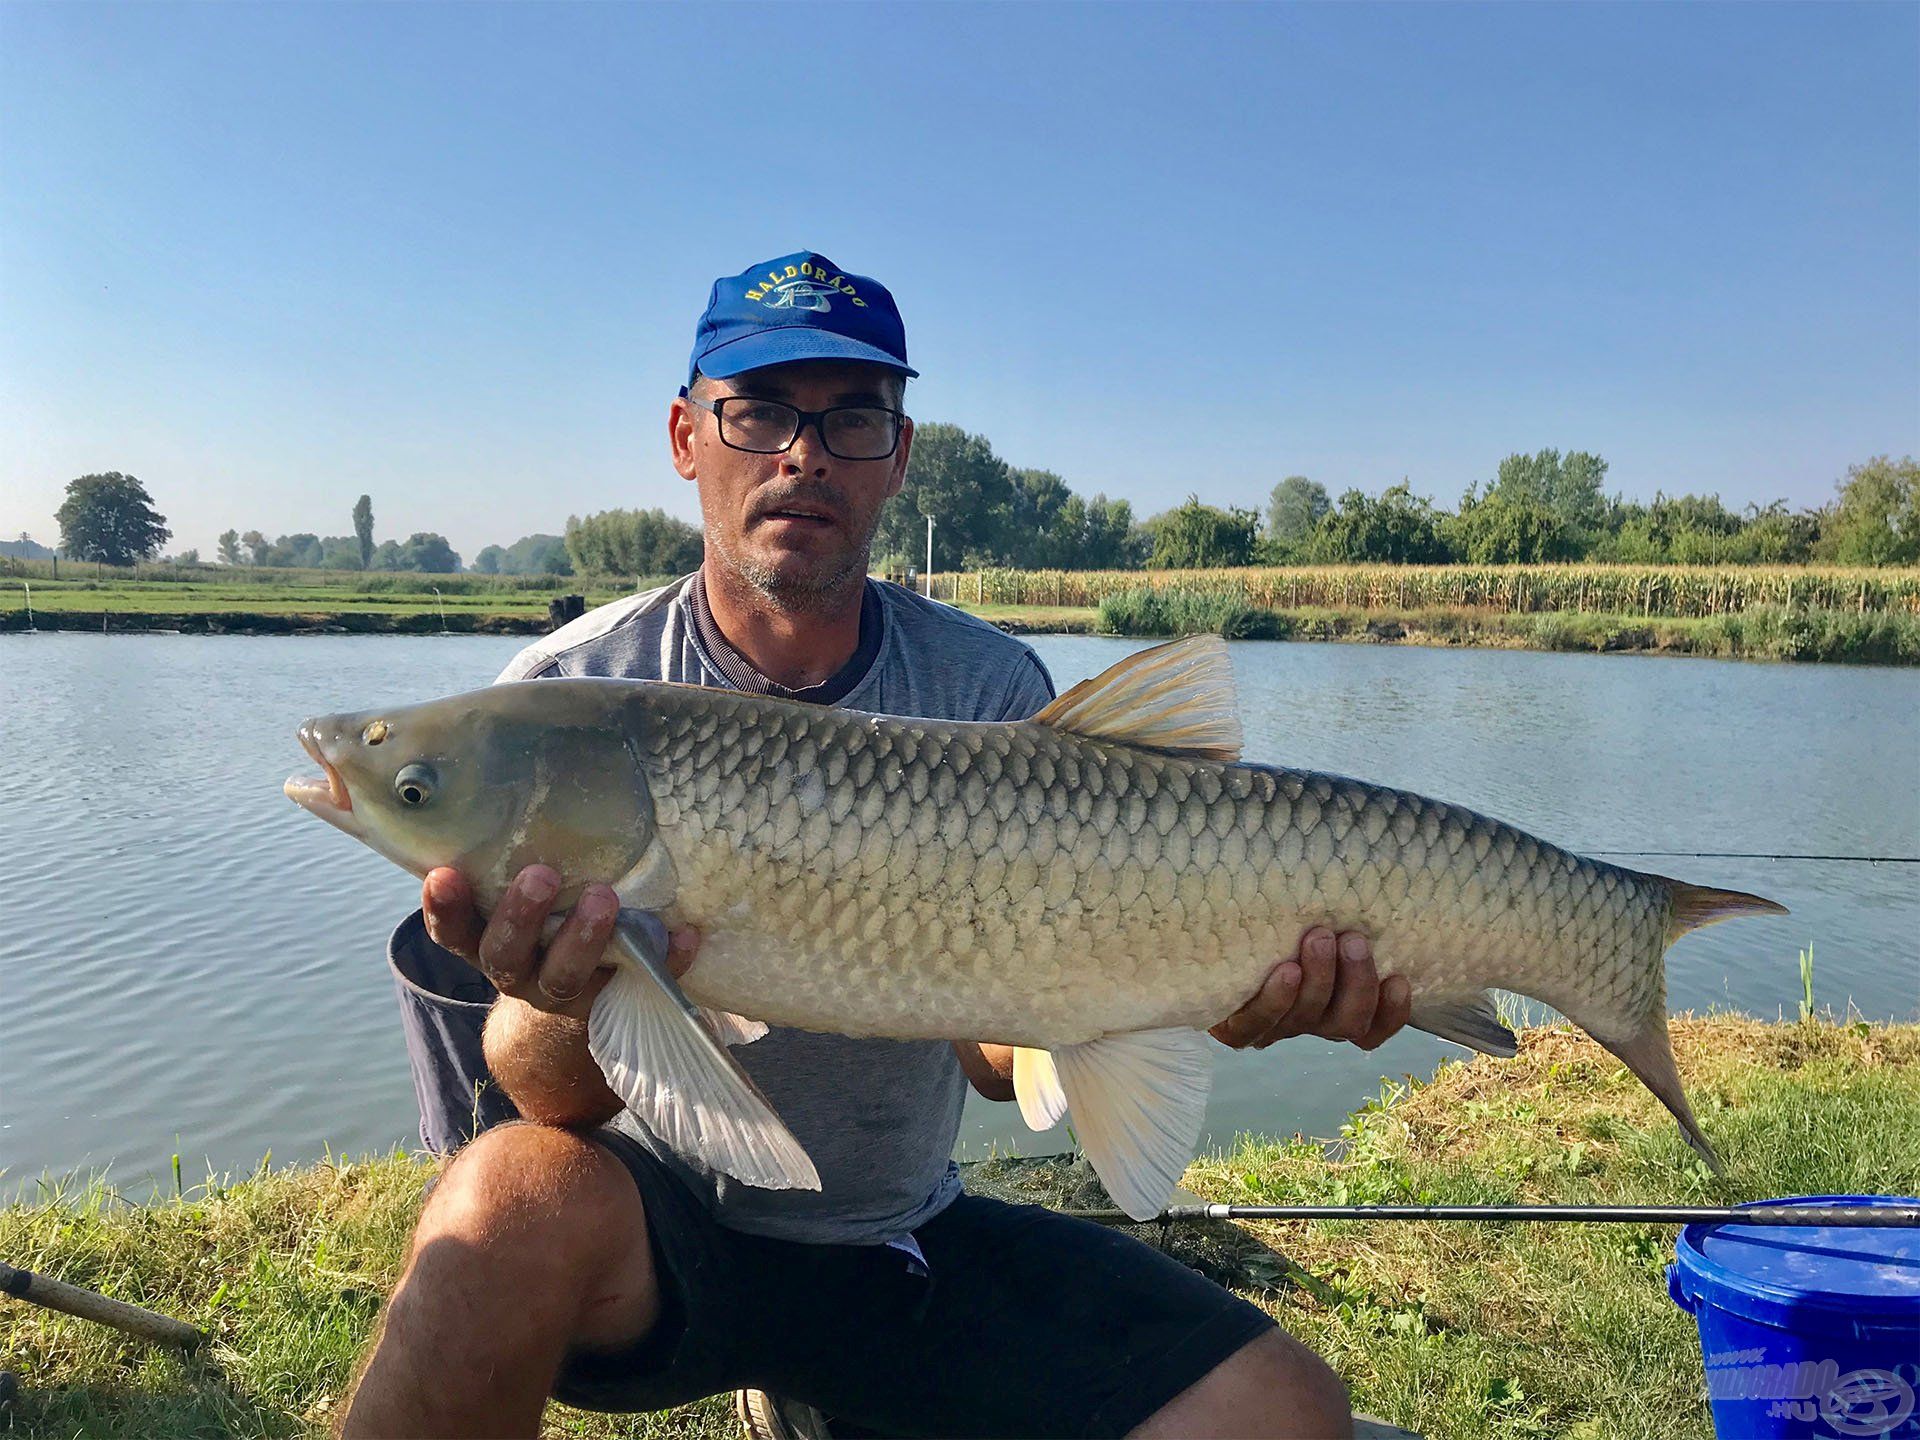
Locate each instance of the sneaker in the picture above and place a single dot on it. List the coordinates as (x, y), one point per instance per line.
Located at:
(769, 1417)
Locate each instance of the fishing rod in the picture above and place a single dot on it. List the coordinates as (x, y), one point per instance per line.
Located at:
(1750, 855)
(104, 1309)
(1864, 1216)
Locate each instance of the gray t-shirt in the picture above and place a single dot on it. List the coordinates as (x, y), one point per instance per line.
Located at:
(879, 1117)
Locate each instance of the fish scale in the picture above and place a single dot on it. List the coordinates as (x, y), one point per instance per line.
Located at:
(1140, 861)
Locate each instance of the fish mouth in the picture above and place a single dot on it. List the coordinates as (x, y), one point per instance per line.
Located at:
(325, 794)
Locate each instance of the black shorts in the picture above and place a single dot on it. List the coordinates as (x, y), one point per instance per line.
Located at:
(1026, 1322)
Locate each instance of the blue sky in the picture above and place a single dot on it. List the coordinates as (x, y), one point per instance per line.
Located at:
(269, 257)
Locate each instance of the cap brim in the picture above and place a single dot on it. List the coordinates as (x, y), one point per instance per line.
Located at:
(783, 347)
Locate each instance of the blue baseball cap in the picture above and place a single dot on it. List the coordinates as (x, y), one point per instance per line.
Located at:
(799, 307)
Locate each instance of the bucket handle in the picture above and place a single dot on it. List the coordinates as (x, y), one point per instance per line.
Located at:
(1678, 1292)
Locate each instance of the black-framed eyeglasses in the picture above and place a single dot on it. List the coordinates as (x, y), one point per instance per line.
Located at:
(769, 427)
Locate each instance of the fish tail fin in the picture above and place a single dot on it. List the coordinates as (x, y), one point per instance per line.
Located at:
(1698, 905)
(1649, 1054)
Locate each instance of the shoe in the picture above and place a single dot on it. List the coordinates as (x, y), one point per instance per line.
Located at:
(769, 1417)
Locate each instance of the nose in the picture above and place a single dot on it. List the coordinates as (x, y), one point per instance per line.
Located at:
(808, 453)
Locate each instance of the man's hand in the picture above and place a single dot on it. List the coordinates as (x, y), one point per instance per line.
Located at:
(560, 977)
(1331, 990)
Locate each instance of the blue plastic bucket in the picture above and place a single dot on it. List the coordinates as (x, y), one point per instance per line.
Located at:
(1806, 1330)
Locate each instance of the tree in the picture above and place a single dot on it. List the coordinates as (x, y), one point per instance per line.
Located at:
(968, 490)
(633, 542)
(1398, 528)
(301, 551)
(189, 556)
(258, 549)
(229, 547)
(1294, 508)
(1499, 529)
(1197, 537)
(363, 529)
(487, 562)
(1877, 521)
(430, 553)
(387, 556)
(110, 518)
(343, 552)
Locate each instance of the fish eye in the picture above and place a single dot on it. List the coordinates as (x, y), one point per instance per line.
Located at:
(415, 784)
(375, 732)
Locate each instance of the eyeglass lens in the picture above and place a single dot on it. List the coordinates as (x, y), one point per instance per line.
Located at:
(766, 427)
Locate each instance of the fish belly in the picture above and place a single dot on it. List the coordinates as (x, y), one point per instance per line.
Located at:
(1016, 884)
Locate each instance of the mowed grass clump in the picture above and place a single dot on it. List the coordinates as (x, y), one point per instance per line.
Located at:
(1533, 1330)
(1513, 1332)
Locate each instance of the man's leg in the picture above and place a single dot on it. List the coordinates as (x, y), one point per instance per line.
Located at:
(1271, 1389)
(534, 1240)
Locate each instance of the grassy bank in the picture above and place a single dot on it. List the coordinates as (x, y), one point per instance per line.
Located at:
(1516, 1332)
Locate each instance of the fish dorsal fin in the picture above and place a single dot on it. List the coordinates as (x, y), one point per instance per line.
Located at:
(1178, 696)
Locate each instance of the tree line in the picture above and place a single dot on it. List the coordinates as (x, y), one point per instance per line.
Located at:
(1543, 507)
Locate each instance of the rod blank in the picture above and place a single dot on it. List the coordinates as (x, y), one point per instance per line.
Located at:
(1863, 1216)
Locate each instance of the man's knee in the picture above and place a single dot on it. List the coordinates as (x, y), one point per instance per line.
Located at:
(535, 1211)
(1271, 1387)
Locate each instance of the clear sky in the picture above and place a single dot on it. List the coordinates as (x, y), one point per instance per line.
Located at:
(269, 257)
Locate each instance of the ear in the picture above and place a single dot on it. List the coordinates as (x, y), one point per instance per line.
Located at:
(900, 457)
(681, 420)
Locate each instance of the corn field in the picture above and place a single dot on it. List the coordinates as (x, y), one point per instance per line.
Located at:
(1679, 591)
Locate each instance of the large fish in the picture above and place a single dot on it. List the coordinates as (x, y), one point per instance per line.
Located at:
(1094, 886)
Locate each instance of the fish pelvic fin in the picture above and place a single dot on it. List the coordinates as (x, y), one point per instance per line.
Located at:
(1138, 1101)
(661, 1057)
(1698, 905)
(1178, 697)
(1649, 1055)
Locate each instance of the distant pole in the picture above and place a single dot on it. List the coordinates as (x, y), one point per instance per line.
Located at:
(929, 557)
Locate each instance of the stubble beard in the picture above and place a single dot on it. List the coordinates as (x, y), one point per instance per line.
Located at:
(816, 590)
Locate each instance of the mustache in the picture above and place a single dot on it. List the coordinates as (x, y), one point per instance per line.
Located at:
(816, 498)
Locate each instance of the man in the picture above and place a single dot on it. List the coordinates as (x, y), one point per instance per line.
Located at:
(594, 1264)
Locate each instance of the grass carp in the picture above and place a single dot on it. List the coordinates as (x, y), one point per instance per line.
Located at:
(1094, 886)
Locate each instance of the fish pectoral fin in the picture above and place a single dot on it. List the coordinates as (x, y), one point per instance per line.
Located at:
(1472, 1023)
(661, 1058)
(731, 1029)
(1179, 696)
(1036, 1084)
(1138, 1102)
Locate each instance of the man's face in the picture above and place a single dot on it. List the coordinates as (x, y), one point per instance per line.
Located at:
(796, 527)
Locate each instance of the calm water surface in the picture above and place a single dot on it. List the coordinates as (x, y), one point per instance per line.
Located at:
(190, 964)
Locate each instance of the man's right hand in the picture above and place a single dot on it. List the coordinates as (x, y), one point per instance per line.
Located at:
(560, 977)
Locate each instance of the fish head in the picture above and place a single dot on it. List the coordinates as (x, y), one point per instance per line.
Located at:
(489, 782)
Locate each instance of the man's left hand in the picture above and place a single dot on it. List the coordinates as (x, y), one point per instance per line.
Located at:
(1331, 989)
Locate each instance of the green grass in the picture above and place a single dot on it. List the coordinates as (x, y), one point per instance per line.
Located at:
(1512, 1332)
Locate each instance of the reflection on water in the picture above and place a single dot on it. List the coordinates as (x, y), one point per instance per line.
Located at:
(189, 963)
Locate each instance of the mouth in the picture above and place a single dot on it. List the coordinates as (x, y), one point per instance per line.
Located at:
(322, 793)
(809, 514)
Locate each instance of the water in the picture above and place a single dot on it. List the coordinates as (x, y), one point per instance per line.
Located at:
(190, 964)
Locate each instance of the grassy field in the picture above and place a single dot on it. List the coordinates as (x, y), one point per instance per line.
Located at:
(1514, 1332)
